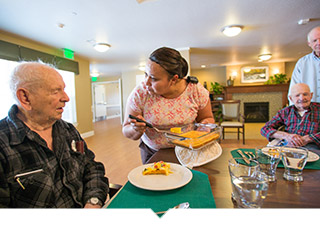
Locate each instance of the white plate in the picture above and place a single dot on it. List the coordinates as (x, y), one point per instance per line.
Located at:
(180, 177)
(312, 157)
(202, 156)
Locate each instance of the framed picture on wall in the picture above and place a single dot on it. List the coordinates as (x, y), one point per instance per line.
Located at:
(254, 74)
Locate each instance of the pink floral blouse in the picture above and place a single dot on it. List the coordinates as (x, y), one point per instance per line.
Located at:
(166, 113)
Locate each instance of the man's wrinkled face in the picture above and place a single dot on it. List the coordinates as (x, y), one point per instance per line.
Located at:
(50, 98)
(314, 40)
(301, 96)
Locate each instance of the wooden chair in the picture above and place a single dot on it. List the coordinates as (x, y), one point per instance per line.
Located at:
(231, 117)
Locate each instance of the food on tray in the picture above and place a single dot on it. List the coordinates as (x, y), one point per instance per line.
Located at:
(158, 168)
(175, 130)
(196, 139)
(272, 152)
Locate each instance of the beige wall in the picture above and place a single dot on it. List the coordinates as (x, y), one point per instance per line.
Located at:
(289, 66)
(82, 81)
(214, 74)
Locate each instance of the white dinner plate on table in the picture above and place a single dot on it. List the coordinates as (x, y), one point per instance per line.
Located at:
(179, 177)
(312, 157)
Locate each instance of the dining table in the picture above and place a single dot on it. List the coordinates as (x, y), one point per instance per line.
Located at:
(213, 178)
(281, 193)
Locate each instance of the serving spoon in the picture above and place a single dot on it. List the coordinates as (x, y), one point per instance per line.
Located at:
(185, 205)
(149, 125)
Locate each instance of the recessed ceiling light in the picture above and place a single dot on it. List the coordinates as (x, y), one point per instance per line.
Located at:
(203, 66)
(264, 57)
(101, 47)
(232, 30)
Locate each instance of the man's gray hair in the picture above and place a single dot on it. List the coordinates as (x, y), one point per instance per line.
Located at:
(25, 76)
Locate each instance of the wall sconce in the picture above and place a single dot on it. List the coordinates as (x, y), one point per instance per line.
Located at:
(234, 75)
(101, 47)
(276, 71)
(264, 57)
(232, 30)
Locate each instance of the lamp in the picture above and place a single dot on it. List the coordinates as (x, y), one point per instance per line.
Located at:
(231, 30)
(264, 57)
(101, 47)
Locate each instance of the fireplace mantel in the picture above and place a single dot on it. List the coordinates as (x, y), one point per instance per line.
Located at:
(259, 88)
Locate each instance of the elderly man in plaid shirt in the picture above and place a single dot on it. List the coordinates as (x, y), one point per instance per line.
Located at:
(44, 162)
(301, 121)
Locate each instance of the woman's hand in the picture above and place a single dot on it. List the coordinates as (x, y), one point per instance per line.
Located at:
(133, 129)
(138, 126)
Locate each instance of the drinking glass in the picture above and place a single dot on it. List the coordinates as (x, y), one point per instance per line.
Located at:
(249, 184)
(268, 158)
(294, 160)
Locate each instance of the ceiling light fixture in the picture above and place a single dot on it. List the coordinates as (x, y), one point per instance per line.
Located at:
(94, 74)
(101, 47)
(232, 30)
(264, 57)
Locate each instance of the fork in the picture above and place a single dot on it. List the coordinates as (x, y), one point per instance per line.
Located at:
(250, 154)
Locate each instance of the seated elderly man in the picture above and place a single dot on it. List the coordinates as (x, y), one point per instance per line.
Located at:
(300, 121)
(44, 162)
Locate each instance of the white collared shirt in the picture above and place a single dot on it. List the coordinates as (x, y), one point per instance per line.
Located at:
(307, 70)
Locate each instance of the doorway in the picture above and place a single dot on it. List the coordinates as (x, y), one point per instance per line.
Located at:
(107, 101)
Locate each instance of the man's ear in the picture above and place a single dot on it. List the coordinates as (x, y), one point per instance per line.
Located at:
(290, 98)
(23, 96)
(311, 95)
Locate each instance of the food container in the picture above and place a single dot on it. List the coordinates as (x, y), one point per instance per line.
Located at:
(195, 136)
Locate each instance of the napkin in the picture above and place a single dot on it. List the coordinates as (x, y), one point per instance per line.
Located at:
(309, 165)
(197, 192)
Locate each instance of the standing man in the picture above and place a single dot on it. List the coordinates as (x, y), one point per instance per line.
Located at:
(301, 121)
(307, 69)
(44, 162)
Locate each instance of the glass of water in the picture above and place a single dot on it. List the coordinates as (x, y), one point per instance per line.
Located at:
(249, 184)
(268, 158)
(294, 160)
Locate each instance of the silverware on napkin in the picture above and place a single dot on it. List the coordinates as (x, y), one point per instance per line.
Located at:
(243, 156)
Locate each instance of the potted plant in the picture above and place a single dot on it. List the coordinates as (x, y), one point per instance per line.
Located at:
(277, 79)
(217, 90)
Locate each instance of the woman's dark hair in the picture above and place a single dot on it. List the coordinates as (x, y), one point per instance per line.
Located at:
(171, 60)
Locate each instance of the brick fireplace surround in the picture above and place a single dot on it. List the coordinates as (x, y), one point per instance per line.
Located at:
(276, 95)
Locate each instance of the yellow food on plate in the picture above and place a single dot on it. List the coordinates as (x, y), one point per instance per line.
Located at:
(158, 168)
(274, 152)
(175, 130)
(197, 139)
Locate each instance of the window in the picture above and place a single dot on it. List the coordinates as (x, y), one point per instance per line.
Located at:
(6, 67)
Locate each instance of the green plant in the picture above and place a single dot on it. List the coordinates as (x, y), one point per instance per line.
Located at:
(216, 88)
(277, 79)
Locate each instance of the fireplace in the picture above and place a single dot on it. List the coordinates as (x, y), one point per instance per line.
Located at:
(256, 111)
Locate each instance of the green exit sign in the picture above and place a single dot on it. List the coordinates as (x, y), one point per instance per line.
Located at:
(68, 53)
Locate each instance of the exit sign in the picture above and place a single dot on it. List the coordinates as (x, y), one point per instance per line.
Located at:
(68, 53)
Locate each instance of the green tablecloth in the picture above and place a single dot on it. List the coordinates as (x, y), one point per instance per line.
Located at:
(197, 192)
(309, 165)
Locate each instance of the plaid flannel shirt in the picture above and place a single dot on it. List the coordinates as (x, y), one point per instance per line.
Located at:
(32, 175)
(308, 124)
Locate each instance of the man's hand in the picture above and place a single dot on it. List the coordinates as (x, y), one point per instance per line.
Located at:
(294, 140)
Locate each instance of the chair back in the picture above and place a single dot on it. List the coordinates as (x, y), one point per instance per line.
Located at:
(231, 109)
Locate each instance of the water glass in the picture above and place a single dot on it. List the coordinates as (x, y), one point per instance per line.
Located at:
(268, 158)
(249, 184)
(294, 160)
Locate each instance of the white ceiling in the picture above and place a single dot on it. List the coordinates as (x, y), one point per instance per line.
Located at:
(134, 30)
